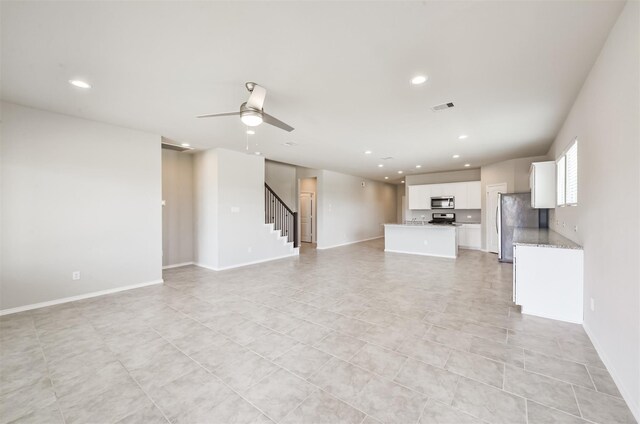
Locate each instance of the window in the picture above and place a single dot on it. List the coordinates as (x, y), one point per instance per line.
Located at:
(567, 176)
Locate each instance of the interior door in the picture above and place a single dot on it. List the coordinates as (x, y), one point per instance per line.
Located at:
(306, 217)
(492, 215)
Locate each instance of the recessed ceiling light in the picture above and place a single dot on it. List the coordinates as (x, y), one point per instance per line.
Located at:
(399, 172)
(456, 156)
(386, 178)
(467, 165)
(380, 165)
(251, 132)
(462, 136)
(418, 79)
(367, 152)
(402, 181)
(257, 153)
(80, 84)
(186, 145)
(418, 166)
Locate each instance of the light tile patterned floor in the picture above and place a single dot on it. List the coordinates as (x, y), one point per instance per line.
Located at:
(348, 335)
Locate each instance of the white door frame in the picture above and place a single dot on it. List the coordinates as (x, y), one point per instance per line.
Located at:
(313, 214)
(489, 226)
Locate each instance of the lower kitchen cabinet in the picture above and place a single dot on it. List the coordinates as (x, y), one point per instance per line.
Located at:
(470, 236)
(548, 282)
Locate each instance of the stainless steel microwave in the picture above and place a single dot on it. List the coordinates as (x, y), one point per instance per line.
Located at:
(443, 202)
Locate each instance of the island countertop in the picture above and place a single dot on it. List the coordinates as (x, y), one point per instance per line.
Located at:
(425, 225)
(542, 237)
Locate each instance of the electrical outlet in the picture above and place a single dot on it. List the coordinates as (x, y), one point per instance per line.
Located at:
(575, 228)
(249, 249)
(75, 275)
(593, 305)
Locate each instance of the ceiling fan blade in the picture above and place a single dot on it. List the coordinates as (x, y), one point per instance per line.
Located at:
(256, 99)
(276, 122)
(213, 115)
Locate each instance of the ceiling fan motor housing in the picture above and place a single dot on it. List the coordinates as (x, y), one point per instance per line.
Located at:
(250, 116)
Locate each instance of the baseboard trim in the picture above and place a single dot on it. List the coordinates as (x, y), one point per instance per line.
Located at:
(177, 265)
(224, 268)
(348, 243)
(632, 403)
(420, 254)
(78, 297)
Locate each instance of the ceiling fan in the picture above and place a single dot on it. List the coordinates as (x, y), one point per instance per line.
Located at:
(251, 112)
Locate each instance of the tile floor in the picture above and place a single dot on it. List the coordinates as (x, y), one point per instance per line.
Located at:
(348, 335)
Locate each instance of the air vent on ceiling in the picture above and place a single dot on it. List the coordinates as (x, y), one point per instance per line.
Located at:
(386, 158)
(443, 106)
(176, 147)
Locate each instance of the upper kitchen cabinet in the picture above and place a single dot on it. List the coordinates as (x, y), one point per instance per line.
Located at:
(419, 196)
(542, 181)
(466, 194)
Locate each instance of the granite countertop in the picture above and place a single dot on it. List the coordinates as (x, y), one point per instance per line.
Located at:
(542, 237)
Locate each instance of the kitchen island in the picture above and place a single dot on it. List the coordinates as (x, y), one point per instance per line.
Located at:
(439, 240)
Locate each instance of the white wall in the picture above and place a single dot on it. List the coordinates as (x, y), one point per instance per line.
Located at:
(605, 119)
(349, 212)
(77, 195)
(230, 223)
(281, 177)
(205, 208)
(177, 213)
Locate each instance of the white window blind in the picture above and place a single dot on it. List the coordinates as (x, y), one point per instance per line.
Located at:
(571, 191)
(560, 180)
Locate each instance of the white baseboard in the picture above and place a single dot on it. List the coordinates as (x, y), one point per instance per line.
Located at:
(420, 254)
(177, 265)
(632, 403)
(296, 253)
(74, 298)
(348, 243)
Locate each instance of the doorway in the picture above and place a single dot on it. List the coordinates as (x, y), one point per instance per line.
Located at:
(306, 217)
(308, 207)
(491, 222)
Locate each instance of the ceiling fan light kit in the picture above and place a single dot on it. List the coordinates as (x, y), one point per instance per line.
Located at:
(251, 112)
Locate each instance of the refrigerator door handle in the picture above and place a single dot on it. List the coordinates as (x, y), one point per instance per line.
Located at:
(496, 219)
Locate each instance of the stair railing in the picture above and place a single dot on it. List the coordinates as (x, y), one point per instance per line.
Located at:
(276, 212)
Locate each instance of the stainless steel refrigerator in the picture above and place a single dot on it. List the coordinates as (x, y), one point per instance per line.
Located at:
(515, 211)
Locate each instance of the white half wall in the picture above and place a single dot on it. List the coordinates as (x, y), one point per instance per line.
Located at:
(230, 222)
(77, 195)
(177, 212)
(605, 120)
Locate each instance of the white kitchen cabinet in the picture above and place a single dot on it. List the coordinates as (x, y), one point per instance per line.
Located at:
(467, 194)
(419, 197)
(542, 181)
(470, 236)
(460, 191)
(474, 195)
(548, 282)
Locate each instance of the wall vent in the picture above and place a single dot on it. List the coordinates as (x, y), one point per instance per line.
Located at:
(443, 106)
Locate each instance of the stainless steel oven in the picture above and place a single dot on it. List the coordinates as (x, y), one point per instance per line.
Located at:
(443, 202)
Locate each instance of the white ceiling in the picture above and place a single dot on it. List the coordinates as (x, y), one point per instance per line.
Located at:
(337, 71)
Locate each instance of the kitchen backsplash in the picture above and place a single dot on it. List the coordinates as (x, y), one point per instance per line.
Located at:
(462, 216)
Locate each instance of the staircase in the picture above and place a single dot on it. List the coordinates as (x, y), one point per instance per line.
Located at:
(280, 218)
